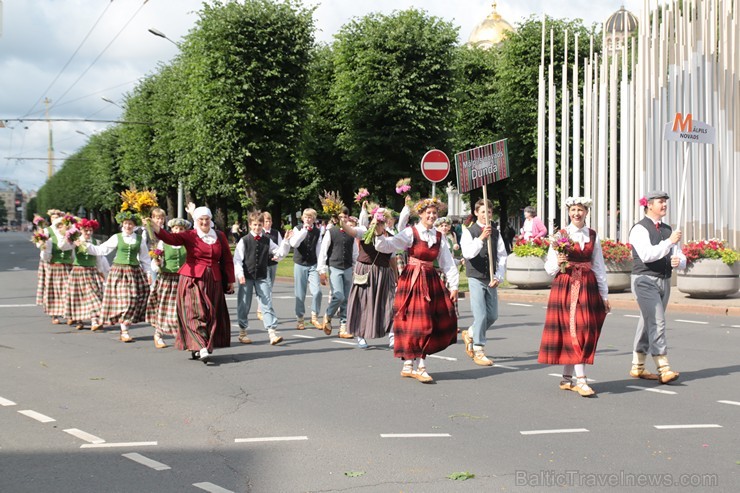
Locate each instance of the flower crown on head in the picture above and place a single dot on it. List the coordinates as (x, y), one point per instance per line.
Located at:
(432, 202)
(89, 224)
(128, 216)
(584, 201)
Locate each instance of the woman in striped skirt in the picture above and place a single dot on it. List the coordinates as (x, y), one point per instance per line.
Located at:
(85, 283)
(126, 289)
(42, 227)
(208, 273)
(58, 255)
(424, 320)
(161, 311)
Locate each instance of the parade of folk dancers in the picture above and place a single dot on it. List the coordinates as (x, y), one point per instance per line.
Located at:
(391, 277)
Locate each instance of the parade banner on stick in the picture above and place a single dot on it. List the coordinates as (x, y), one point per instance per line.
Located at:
(482, 165)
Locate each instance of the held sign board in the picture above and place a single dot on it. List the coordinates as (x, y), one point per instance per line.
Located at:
(482, 165)
(435, 166)
(686, 129)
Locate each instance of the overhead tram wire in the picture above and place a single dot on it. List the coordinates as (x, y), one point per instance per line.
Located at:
(133, 16)
(45, 91)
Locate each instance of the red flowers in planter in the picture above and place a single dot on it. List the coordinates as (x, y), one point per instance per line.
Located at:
(616, 251)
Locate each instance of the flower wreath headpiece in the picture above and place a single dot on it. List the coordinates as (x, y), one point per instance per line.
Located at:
(643, 201)
(89, 224)
(128, 216)
(584, 201)
(432, 202)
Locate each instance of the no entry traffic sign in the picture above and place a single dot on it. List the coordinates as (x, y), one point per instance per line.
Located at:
(435, 165)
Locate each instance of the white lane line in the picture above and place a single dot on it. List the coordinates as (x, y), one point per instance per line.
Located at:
(146, 461)
(415, 435)
(559, 375)
(735, 326)
(692, 322)
(37, 416)
(212, 488)
(348, 343)
(562, 430)
(6, 402)
(632, 316)
(83, 435)
(301, 336)
(684, 427)
(518, 304)
(119, 444)
(269, 439)
(18, 306)
(496, 365)
(730, 402)
(650, 389)
(446, 358)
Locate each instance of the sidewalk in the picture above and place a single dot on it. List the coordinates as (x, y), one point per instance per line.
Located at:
(679, 302)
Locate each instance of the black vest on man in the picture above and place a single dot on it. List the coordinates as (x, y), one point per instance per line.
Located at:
(305, 254)
(273, 234)
(477, 267)
(340, 249)
(256, 254)
(661, 267)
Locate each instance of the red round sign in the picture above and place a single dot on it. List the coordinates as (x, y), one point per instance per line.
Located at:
(435, 165)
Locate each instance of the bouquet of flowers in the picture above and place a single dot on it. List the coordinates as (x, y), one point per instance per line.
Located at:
(361, 194)
(616, 251)
(141, 203)
(331, 203)
(69, 220)
(536, 247)
(403, 186)
(39, 222)
(714, 248)
(561, 243)
(73, 234)
(39, 239)
(379, 215)
(156, 254)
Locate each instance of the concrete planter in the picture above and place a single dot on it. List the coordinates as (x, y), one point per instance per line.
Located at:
(527, 272)
(618, 275)
(709, 278)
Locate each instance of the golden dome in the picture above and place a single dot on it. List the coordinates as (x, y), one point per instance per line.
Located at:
(491, 31)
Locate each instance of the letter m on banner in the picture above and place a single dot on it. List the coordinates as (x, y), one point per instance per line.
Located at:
(482, 165)
(685, 124)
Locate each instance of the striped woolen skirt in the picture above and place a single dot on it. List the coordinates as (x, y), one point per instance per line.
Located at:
(84, 294)
(40, 283)
(55, 288)
(425, 321)
(125, 295)
(161, 311)
(370, 306)
(202, 314)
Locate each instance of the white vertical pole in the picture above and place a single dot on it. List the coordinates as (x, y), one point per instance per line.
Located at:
(551, 108)
(564, 127)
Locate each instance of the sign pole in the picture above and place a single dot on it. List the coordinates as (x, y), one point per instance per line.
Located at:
(682, 193)
(488, 223)
(434, 189)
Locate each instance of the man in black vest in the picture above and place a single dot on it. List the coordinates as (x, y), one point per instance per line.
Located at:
(306, 243)
(483, 288)
(652, 241)
(337, 258)
(250, 270)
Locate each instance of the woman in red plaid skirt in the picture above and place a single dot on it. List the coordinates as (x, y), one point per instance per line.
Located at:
(58, 255)
(424, 322)
(578, 301)
(161, 311)
(126, 289)
(84, 298)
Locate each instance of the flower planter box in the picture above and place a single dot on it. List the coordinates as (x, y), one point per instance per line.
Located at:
(527, 272)
(709, 278)
(618, 276)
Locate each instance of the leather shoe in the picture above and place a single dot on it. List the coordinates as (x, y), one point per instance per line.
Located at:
(480, 359)
(125, 337)
(422, 375)
(159, 342)
(468, 344)
(244, 339)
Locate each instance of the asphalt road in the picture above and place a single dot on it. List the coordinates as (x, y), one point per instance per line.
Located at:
(316, 413)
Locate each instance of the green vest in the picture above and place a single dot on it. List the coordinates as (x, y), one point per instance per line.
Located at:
(173, 259)
(127, 254)
(84, 259)
(59, 256)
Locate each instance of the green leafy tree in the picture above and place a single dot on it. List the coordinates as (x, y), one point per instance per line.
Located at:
(393, 89)
(3, 213)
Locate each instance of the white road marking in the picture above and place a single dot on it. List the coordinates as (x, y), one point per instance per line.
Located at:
(684, 427)
(632, 316)
(37, 416)
(559, 375)
(446, 358)
(730, 402)
(18, 306)
(496, 365)
(302, 336)
(146, 461)
(650, 389)
(345, 342)
(212, 488)
(6, 402)
(120, 444)
(692, 322)
(415, 435)
(735, 326)
(83, 435)
(518, 304)
(562, 430)
(270, 439)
